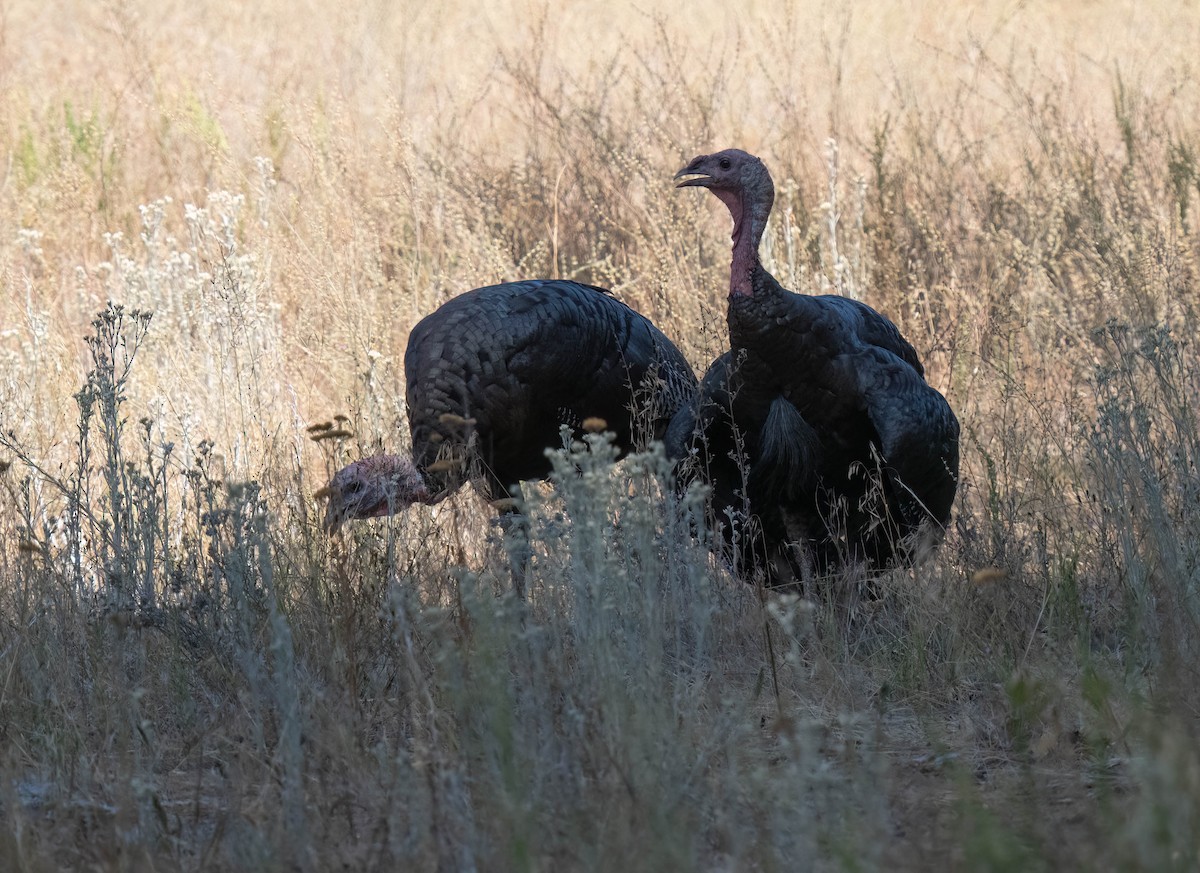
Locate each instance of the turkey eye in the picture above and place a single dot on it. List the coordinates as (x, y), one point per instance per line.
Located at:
(354, 487)
(724, 163)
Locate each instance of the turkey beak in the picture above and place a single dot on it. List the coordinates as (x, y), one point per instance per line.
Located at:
(702, 178)
(333, 520)
(333, 513)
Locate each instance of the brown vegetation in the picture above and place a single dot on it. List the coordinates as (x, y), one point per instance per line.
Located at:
(194, 677)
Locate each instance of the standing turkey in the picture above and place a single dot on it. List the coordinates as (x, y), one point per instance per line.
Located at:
(852, 457)
(493, 374)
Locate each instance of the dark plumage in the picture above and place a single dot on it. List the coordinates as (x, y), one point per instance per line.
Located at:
(850, 452)
(493, 373)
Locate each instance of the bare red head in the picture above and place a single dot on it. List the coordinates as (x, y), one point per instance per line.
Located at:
(742, 183)
(371, 488)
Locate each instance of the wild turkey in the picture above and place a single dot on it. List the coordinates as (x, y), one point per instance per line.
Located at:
(849, 451)
(493, 374)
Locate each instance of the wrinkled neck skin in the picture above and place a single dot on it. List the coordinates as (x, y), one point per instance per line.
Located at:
(749, 213)
(399, 482)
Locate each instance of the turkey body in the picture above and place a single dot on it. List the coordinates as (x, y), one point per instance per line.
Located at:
(494, 373)
(843, 451)
(504, 367)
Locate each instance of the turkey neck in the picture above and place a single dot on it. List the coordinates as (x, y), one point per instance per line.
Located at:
(749, 209)
(758, 305)
(404, 483)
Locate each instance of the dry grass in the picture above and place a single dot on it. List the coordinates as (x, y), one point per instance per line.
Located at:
(194, 678)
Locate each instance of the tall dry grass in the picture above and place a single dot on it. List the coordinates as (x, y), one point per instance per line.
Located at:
(195, 678)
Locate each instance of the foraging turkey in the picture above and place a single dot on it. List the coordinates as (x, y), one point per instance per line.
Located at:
(493, 374)
(849, 451)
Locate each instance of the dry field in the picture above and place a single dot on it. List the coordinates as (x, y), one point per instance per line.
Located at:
(193, 677)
